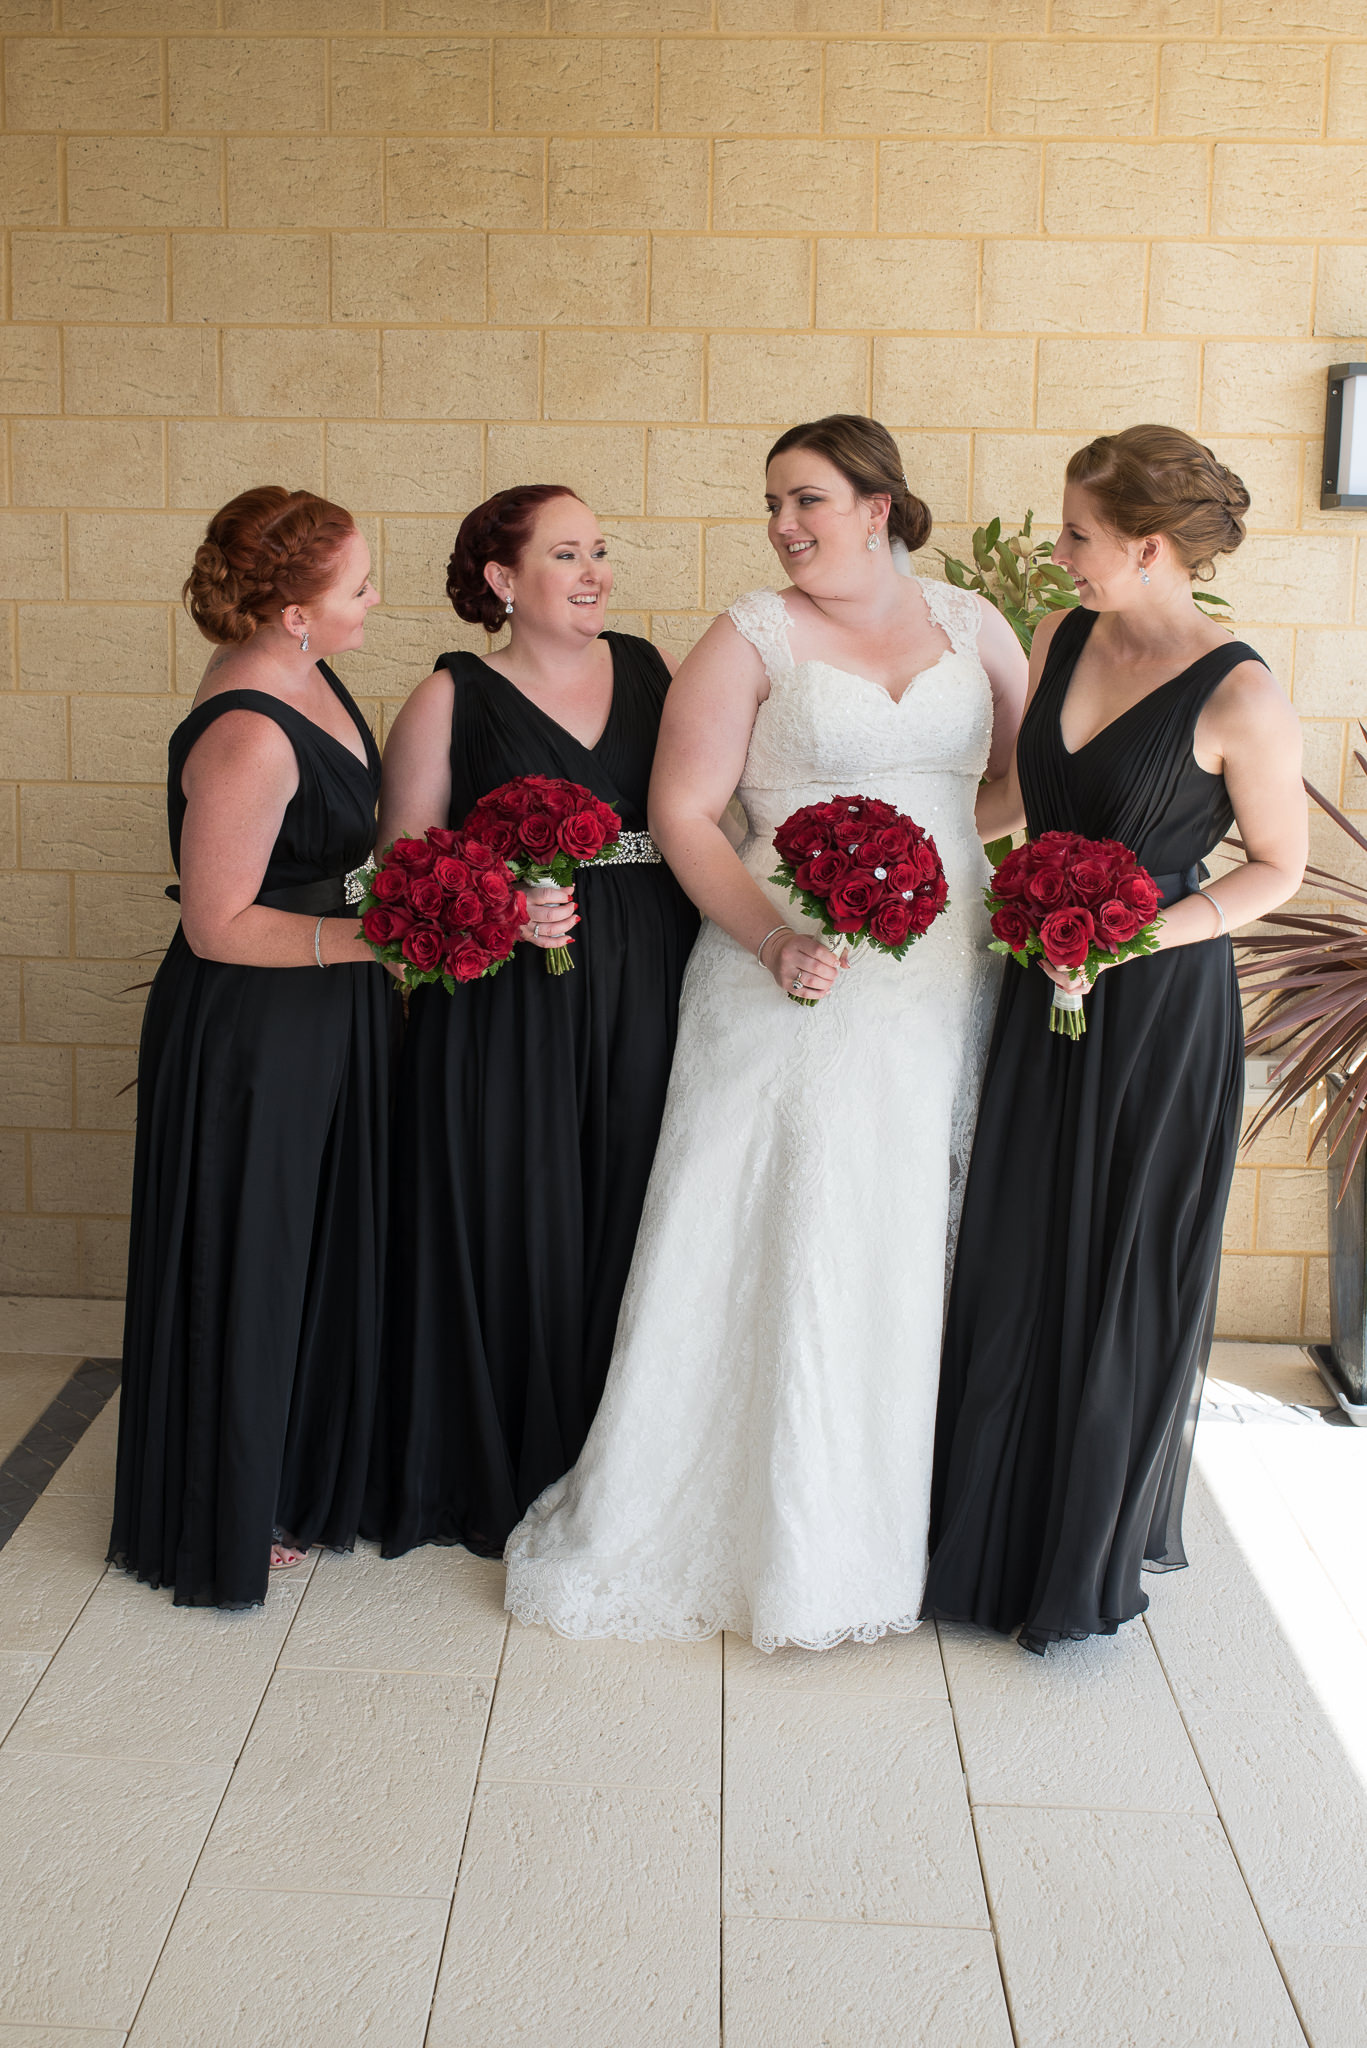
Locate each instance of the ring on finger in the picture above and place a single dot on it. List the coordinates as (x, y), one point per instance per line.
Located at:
(797, 984)
(536, 931)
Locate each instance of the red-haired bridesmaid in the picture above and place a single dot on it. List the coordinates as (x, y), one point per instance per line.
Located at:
(253, 1320)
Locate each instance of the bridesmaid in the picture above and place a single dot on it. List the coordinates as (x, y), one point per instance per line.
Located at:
(253, 1320)
(1082, 1302)
(529, 1103)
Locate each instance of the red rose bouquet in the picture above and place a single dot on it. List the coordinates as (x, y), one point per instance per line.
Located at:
(442, 908)
(865, 872)
(1077, 903)
(545, 828)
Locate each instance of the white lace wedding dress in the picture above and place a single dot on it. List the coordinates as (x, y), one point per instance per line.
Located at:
(761, 1459)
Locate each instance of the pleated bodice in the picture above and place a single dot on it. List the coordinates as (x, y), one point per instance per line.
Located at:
(1136, 780)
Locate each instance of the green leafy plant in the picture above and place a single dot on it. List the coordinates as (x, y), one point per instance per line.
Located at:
(1309, 968)
(1013, 572)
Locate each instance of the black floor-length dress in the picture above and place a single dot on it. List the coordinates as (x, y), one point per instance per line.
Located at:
(252, 1329)
(528, 1109)
(1082, 1301)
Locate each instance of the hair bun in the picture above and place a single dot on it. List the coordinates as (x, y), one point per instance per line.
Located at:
(867, 457)
(1160, 480)
(263, 550)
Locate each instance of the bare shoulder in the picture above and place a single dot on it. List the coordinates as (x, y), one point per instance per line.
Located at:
(243, 737)
(1250, 703)
(1046, 629)
(427, 704)
(670, 661)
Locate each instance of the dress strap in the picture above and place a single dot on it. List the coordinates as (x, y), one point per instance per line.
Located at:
(761, 617)
(956, 612)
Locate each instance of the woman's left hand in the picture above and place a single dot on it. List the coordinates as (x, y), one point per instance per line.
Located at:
(1073, 980)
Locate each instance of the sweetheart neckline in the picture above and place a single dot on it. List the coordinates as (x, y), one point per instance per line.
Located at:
(852, 675)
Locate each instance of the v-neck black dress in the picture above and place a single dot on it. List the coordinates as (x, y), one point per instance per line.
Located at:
(528, 1109)
(252, 1328)
(1083, 1296)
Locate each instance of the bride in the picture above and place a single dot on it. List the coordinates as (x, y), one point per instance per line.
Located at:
(761, 1459)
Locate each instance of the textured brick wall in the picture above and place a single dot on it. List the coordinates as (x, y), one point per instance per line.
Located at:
(411, 250)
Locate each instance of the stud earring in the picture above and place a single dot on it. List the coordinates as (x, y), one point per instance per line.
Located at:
(873, 542)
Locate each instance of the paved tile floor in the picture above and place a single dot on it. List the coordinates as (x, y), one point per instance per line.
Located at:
(373, 1813)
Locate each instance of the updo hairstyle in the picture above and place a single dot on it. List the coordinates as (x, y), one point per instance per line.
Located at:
(496, 531)
(867, 457)
(1160, 480)
(263, 550)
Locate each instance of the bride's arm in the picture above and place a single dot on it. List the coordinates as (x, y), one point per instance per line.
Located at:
(1000, 807)
(704, 737)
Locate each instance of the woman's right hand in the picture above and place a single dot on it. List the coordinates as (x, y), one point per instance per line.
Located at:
(800, 959)
(551, 916)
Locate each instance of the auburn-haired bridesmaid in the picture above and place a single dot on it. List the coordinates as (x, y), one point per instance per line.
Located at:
(259, 1186)
(529, 1103)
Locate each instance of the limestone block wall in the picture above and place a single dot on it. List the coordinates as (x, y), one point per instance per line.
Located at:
(407, 251)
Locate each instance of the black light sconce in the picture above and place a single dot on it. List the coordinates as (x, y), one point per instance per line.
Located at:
(1344, 478)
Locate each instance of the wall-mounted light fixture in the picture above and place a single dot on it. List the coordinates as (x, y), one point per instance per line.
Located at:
(1344, 478)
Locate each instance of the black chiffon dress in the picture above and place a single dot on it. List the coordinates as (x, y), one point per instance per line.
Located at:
(252, 1328)
(1082, 1302)
(528, 1109)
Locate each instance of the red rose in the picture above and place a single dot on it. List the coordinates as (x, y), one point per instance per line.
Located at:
(1090, 879)
(851, 900)
(904, 878)
(480, 856)
(452, 873)
(495, 938)
(536, 836)
(390, 885)
(1008, 882)
(443, 839)
(1066, 936)
(497, 837)
(1137, 892)
(513, 800)
(494, 887)
(1046, 887)
(801, 838)
(1012, 926)
(414, 855)
(423, 947)
(824, 872)
(466, 960)
(891, 923)
(1117, 924)
(427, 896)
(465, 908)
(581, 836)
(557, 801)
(1053, 849)
(382, 926)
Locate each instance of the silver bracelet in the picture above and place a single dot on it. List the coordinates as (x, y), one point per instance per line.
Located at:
(759, 950)
(317, 949)
(1214, 903)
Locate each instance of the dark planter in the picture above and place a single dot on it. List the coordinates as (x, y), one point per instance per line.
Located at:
(1343, 1361)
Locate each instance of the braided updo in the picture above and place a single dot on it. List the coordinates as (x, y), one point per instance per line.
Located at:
(1159, 480)
(496, 531)
(263, 550)
(869, 460)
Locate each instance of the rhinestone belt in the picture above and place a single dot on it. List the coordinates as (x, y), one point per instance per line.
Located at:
(357, 884)
(636, 848)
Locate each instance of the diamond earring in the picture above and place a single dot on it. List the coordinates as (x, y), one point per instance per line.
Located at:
(872, 542)
(508, 609)
(304, 643)
(1143, 575)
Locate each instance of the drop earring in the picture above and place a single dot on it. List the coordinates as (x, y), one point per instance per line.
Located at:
(1143, 575)
(304, 643)
(872, 542)
(508, 609)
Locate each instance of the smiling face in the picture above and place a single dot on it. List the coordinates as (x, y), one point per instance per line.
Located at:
(1106, 569)
(335, 619)
(563, 579)
(819, 525)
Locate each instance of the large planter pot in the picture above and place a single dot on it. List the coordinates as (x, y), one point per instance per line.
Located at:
(1343, 1360)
